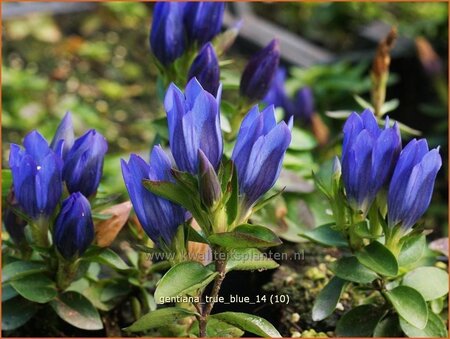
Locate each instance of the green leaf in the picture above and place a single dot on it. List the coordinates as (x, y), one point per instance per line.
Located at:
(413, 247)
(171, 191)
(362, 230)
(363, 103)
(349, 268)
(159, 318)
(302, 140)
(78, 311)
(435, 328)
(388, 327)
(232, 205)
(389, 106)
(6, 182)
(107, 257)
(264, 202)
(431, 282)
(409, 304)
(249, 323)
(217, 329)
(249, 259)
(183, 278)
(325, 235)
(359, 322)
(37, 287)
(379, 259)
(328, 298)
(245, 236)
(16, 312)
(19, 269)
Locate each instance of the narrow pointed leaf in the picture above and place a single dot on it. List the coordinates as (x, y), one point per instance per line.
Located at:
(378, 258)
(328, 298)
(249, 323)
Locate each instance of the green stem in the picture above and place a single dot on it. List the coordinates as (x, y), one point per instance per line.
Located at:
(375, 225)
(39, 231)
(393, 240)
(66, 272)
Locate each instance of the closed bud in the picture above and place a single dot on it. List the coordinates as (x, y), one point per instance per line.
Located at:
(260, 71)
(412, 183)
(210, 190)
(369, 156)
(304, 104)
(159, 217)
(36, 172)
(205, 68)
(167, 35)
(64, 133)
(74, 228)
(259, 152)
(203, 20)
(194, 124)
(83, 165)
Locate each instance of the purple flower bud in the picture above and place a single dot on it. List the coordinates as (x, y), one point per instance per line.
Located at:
(259, 152)
(167, 35)
(159, 217)
(369, 155)
(65, 134)
(304, 104)
(260, 71)
(74, 228)
(206, 69)
(36, 172)
(412, 183)
(194, 124)
(83, 165)
(203, 20)
(210, 190)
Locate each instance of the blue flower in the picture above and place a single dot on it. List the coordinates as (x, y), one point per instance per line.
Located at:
(205, 68)
(369, 155)
(304, 104)
(260, 71)
(259, 151)
(74, 229)
(277, 95)
(194, 124)
(203, 20)
(412, 183)
(159, 217)
(83, 164)
(64, 133)
(167, 36)
(36, 173)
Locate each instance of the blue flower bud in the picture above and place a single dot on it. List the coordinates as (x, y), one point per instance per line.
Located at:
(369, 155)
(412, 183)
(277, 95)
(167, 35)
(36, 173)
(205, 68)
(64, 133)
(194, 124)
(259, 151)
(83, 165)
(210, 190)
(304, 104)
(260, 71)
(159, 217)
(203, 20)
(74, 228)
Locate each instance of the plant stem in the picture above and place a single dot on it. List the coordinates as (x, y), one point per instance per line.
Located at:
(203, 319)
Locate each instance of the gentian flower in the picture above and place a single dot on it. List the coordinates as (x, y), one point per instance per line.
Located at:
(369, 156)
(412, 183)
(194, 124)
(277, 95)
(260, 71)
(159, 217)
(36, 173)
(205, 68)
(83, 164)
(304, 104)
(167, 36)
(64, 133)
(203, 20)
(74, 228)
(258, 153)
